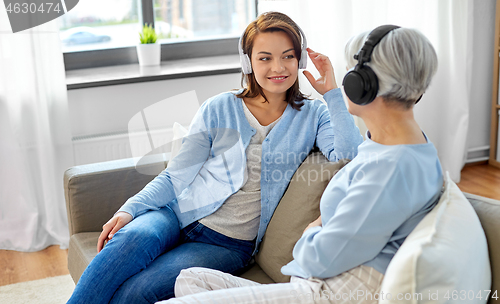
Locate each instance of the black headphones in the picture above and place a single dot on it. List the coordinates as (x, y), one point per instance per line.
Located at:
(360, 83)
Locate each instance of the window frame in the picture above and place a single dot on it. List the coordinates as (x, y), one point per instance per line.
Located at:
(204, 47)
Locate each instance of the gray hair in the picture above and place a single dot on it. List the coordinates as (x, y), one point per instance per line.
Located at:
(404, 62)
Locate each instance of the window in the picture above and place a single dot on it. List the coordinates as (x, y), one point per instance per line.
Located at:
(204, 18)
(99, 33)
(114, 24)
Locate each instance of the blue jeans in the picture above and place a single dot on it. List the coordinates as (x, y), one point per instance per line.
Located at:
(142, 260)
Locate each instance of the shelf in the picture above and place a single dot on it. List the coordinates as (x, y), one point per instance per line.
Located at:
(494, 158)
(133, 73)
(494, 163)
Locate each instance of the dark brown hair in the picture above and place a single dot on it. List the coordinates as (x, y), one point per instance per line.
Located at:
(266, 23)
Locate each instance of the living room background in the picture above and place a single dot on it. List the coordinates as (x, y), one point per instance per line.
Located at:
(107, 109)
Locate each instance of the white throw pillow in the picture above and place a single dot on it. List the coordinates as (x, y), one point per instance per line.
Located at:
(179, 133)
(444, 259)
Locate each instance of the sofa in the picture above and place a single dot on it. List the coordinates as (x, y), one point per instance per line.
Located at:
(95, 192)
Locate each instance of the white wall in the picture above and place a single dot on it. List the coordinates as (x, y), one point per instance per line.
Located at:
(483, 31)
(108, 109)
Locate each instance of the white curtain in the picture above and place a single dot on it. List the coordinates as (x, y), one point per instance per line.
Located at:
(443, 112)
(35, 143)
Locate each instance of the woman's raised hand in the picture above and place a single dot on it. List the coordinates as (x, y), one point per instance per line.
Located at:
(119, 220)
(326, 81)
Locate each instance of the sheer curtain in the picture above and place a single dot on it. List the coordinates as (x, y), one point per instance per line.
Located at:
(443, 112)
(35, 142)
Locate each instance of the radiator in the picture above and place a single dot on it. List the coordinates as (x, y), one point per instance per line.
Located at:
(112, 146)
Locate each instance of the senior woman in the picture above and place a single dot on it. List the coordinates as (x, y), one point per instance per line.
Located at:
(373, 203)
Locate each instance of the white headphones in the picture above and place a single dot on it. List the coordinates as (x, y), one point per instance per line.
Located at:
(246, 65)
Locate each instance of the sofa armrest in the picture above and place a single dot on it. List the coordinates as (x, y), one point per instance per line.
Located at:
(488, 211)
(95, 192)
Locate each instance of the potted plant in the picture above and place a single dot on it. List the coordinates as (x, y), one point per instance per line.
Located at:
(148, 51)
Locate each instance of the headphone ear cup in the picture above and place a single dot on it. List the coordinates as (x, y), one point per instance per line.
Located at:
(361, 85)
(353, 86)
(371, 85)
(303, 59)
(246, 65)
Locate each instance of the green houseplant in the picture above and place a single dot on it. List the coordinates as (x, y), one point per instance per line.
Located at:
(148, 34)
(148, 51)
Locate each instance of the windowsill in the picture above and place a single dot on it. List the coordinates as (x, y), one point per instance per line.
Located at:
(133, 73)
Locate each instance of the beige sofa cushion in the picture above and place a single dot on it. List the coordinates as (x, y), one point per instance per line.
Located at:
(298, 207)
(256, 274)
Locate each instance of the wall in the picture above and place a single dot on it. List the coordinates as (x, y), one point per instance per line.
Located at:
(108, 109)
(483, 31)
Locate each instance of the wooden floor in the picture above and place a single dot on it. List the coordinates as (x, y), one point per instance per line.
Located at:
(20, 267)
(482, 180)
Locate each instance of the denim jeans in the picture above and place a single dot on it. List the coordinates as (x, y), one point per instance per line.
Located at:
(142, 260)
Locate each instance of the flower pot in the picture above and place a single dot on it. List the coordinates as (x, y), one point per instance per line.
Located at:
(149, 54)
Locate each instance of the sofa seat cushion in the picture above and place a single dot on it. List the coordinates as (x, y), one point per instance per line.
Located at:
(298, 207)
(82, 249)
(256, 274)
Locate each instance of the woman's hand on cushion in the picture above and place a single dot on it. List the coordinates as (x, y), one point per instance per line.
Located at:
(315, 223)
(117, 222)
(326, 81)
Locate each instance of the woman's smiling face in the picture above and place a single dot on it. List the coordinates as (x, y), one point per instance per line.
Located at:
(274, 62)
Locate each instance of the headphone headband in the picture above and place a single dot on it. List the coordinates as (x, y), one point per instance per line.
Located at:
(371, 41)
(246, 65)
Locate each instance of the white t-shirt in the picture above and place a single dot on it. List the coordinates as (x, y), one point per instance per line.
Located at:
(239, 216)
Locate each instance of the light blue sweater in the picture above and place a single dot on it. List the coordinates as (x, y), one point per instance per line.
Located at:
(368, 209)
(210, 165)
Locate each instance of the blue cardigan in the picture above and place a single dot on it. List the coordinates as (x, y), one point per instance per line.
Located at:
(210, 165)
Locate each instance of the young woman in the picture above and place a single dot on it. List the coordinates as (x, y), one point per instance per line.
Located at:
(372, 204)
(211, 207)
